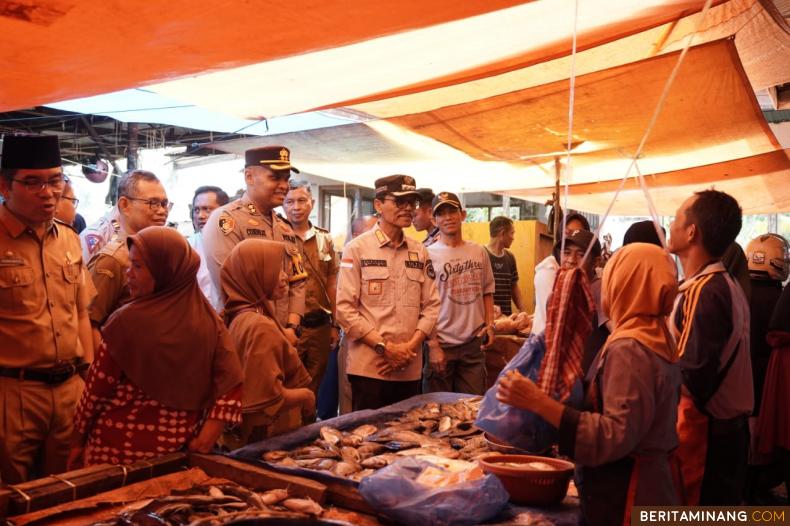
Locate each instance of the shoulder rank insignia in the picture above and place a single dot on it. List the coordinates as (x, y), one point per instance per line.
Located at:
(429, 269)
(226, 224)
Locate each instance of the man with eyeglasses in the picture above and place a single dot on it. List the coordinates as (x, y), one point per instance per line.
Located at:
(319, 332)
(204, 202)
(142, 202)
(45, 335)
(266, 173)
(97, 235)
(387, 301)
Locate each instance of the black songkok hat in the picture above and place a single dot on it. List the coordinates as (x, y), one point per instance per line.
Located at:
(32, 152)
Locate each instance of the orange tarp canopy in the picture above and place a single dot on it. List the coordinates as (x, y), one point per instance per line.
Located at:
(761, 184)
(710, 116)
(442, 54)
(63, 49)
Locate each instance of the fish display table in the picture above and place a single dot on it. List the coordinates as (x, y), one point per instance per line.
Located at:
(340, 451)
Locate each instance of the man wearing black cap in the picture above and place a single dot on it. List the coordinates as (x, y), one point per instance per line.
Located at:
(466, 290)
(45, 335)
(387, 302)
(266, 174)
(423, 217)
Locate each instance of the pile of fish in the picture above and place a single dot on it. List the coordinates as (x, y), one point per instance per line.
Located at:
(434, 429)
(204, 505)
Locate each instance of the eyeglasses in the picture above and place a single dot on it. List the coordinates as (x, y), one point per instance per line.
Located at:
(153, 204)
(404, 201)
(34, 184)
(73, 200)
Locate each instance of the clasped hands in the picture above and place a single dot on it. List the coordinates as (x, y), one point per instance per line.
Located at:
(396, 357)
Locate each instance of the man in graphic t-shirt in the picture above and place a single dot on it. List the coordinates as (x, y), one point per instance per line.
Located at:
(465, 282)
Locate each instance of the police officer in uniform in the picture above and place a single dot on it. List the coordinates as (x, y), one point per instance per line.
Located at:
(45, 336)
(96, 236)
(266, 174)
(319, 334)
(387, 301)
(142, 202)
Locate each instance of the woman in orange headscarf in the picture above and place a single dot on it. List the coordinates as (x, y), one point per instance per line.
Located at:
(166, 376)
(623, 440)
(275, 393)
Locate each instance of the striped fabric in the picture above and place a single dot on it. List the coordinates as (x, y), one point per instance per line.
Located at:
(690, 300)
(569, 321)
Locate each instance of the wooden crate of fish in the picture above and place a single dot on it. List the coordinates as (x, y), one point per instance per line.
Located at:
(428, 425)
(233, 493)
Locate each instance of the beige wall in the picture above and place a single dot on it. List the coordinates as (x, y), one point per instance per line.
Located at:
(524, 248)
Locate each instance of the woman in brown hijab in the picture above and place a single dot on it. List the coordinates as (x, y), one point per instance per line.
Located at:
(275, 381)
(623, 440)
(166, 376)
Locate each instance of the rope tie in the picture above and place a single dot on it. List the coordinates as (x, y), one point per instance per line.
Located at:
(651, 124)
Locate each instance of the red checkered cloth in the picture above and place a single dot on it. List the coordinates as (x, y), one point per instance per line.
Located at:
(569, 316)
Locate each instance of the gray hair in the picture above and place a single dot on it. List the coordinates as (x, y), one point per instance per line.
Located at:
(128, 183)
(295, 184)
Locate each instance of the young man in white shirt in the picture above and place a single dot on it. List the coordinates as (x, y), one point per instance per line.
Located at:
(466, 286)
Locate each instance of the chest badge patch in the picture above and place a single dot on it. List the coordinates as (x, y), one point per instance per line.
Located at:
(375, 288)
(253, 222)
(226, 224)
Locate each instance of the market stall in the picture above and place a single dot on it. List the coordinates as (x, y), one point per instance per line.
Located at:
(290, 477)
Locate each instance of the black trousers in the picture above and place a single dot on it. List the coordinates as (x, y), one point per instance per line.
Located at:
(726, 461)
(372, 393)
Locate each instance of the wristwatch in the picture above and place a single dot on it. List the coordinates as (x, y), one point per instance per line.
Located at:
(380, 347)
(296, 328)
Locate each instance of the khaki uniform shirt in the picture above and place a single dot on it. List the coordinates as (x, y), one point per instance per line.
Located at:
(100, 233)
(390, 289)
(108, 270)
(321, 263)
(44, 291)
(238, 220)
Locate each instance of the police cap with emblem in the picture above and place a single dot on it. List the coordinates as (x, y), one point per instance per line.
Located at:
(446, 199)
(276, 158)
(32, 152)
(397, 185)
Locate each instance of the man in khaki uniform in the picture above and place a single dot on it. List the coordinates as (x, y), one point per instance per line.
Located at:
(266, 174)
(319, 334)
(359, 226)
(97, 235)
(142, 202)
(45, 335)
(387, 301)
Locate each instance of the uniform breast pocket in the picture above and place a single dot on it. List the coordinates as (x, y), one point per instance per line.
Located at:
(71, 277)
(16, 290)
(376, 286)
(414, 280)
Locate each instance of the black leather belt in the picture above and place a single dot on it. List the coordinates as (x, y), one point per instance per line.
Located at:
(315, 318)
(48, 375)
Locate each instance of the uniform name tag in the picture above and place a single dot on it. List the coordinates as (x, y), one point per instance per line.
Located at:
(373, 262)
(256, 232)
(415, 264)
(290, 239)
